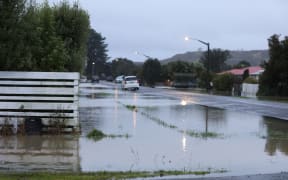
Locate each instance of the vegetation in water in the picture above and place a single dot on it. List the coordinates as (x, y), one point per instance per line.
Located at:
(159, 121)
(131, 107)
(98, 135)
(201, 134)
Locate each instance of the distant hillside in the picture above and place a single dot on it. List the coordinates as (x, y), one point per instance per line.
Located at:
(254, 57)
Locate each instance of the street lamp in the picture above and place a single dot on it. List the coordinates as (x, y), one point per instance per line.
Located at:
(138, 53)
(187, 38)
(93, 63)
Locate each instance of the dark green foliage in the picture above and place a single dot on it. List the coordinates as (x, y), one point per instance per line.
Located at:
(242, 64)
(274, 80)
(250, 80)
(123, 66)
(245, 74)
(72, 26)
(194, 72)
(32, 37)
(223, 82)
(216, 61)
(151, 71)
(96, 54)
(11, 35)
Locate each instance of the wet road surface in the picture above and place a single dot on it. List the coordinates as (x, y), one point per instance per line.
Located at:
(250, 105)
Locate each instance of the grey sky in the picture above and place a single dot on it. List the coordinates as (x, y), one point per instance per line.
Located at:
(157, 27)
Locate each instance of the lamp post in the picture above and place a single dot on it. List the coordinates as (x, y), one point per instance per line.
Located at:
(138, 53)
(187, 38)
(93, 63)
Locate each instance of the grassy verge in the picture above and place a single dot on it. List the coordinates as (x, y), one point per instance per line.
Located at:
(103, 175)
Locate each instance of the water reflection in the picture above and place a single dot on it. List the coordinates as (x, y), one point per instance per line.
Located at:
(184, 141)
(30, 153)
(134, 119)
(276, 136)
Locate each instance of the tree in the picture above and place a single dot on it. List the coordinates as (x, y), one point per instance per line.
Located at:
(53, 56)
(274, 80)
(40, 38)
(242, 64)
(245, 74)
(217, 58)
(73, 26)
(11, 39)
(96, 53)
(122, 66)
(151, 71)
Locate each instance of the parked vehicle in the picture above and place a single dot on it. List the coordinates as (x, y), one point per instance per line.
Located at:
(130, 83)
(119, 79)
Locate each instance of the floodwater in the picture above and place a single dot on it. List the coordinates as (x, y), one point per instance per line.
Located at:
(164, 134)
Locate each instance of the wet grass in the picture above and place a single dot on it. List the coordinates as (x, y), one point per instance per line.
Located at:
(98, 135)
(171, 126)
(202, 134)
(103, 175)
(159, 121)
(131, 107)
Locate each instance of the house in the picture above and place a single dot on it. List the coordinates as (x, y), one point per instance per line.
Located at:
(246, 89)
(254, 71)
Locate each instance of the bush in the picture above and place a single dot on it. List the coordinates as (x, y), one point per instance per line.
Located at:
(223, 82)
(250, 80)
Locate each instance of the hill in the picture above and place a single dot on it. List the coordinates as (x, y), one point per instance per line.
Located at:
(254, 57)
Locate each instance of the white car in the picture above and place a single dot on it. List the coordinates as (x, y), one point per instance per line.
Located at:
(119, 79)
(130, 82)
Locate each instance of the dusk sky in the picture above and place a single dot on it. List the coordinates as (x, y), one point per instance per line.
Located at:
(157, 27)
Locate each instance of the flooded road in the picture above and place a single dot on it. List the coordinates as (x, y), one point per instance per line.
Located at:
(164, 134)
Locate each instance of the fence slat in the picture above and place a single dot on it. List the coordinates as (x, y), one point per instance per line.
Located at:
(38, 83)
(37, 90)
(38, 75)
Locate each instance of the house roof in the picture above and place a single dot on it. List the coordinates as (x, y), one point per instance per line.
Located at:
(253, 70)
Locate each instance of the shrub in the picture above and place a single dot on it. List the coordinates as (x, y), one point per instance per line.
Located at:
(250, 80)
(223, 82)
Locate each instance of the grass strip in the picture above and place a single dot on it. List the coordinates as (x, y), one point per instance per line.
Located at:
(102, 175)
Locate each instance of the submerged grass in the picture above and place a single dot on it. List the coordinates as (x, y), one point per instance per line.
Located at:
(98, 135)
(131, 107)
(102, 175)
(171, 126)
(159, 121)
(202, 134)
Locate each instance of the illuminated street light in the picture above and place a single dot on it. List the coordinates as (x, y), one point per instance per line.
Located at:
(93, 63)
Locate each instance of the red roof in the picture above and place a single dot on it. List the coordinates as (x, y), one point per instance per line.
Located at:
(251, 69)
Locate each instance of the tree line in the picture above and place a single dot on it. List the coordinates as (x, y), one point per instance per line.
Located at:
(42, 37)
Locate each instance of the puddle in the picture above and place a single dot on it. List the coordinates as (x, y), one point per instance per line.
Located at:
(161, 131)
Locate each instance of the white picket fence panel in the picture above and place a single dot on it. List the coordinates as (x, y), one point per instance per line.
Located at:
(40, 94)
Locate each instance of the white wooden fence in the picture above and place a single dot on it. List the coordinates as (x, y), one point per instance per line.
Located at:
(39, 94)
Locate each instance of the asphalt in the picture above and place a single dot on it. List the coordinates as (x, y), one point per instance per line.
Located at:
(266, 108)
